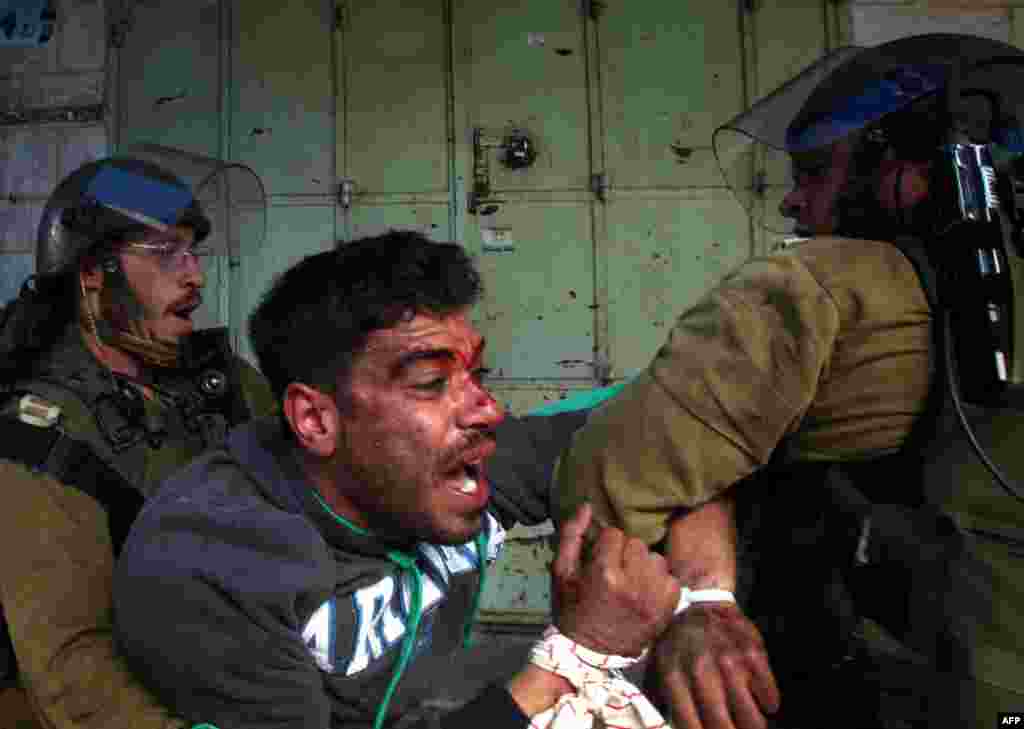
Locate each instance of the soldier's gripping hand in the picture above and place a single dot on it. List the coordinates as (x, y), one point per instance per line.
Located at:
(618, 597)
(710, 670)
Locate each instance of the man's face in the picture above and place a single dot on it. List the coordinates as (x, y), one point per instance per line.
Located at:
(819, 177)
(167, 281)
(415, 427)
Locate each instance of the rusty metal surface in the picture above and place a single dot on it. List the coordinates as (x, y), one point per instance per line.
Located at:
(519, 588)
(392, 115)
(282, 122)
(170, 77)
(663, 254)
(671, 72)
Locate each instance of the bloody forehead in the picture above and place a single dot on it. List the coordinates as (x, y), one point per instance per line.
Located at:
(453, 357)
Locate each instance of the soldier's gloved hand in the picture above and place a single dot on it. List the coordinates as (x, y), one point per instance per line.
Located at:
(617, 599)
(710, 670)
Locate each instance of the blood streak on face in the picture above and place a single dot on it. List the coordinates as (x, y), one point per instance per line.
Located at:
(472, 363)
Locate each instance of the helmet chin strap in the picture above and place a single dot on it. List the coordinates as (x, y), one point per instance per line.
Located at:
(121, 327)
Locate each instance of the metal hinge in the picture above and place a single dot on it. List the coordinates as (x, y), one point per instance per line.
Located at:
(602, 369)
(760, 183)
(593, 9)
(599, 186)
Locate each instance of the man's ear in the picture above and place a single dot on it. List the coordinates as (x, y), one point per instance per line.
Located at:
(902, 184)
(313, 417)
(92, 275)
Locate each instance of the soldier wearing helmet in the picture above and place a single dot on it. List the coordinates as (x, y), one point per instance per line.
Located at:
(108, 387)
(857, 395)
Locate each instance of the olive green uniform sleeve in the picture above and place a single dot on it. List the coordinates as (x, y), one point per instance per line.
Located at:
(56, 565)
(825, 346)
(256, 390)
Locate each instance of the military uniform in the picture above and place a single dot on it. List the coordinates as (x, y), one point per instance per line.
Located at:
(58, 541)
(819, 353)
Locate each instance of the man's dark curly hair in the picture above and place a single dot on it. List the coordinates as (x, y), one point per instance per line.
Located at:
(318, 315)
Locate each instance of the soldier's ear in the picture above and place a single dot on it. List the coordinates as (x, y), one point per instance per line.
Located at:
(902, 184)
(313, 418)
(91, 277)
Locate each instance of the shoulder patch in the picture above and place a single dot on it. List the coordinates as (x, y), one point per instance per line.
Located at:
(36, 411)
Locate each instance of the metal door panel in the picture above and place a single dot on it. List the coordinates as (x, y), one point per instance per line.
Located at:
(536, 259)
(523, 65)
(81, 36)
(518, 588)
(29, 163)
(875, 23)
(394, 82)
(519, 399)
(169, 77)
(14, 269)
(283, 121)
(665, 253)
(293, 232)
(671, 72)
(428, 218)
(81, 144)
(789, 37)
(18, 223)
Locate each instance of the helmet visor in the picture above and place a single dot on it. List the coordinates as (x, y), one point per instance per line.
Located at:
(229, 195)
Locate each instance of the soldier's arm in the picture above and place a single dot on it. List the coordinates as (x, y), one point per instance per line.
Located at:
(255, 390)
(737, 374)
(56, 565)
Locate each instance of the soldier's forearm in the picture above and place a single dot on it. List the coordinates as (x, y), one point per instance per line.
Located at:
(701, 546)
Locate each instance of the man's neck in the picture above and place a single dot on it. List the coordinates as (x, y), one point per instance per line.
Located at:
(113, 358)
(320, 475)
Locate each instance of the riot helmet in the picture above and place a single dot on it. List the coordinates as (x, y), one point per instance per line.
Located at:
(108, 201)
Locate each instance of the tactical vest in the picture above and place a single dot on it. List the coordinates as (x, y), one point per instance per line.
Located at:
(95, 432)
(891, 580)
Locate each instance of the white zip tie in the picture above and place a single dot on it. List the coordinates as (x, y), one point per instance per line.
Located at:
(688, 597)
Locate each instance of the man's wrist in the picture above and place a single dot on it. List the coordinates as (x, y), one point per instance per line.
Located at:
(535, 689)
(695, 578)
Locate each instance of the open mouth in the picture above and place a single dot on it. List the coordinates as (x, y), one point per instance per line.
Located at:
(185, 311)
(466, 478)
(470, 478)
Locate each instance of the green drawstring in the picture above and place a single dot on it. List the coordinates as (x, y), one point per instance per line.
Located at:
(339, 518)
(405, 562)
(408, 564)
(481, 550)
